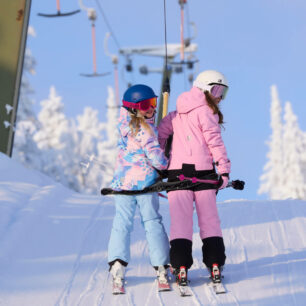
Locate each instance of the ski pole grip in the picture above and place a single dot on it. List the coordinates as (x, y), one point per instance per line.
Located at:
(165, 103)
(237, 184)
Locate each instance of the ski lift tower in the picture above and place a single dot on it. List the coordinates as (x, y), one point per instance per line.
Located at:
(159, 51)
(14, 19)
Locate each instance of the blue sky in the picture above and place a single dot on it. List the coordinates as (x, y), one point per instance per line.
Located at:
(254, 43)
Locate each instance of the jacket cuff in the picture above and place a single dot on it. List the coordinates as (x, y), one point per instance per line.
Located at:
(224, 166)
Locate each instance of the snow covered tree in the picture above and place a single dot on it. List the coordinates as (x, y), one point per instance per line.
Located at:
(285, 171)
(99, 145)
(51, 138)
(89, 134)
(272, 179)
(294, 157)
(25, 149)
(107, 150)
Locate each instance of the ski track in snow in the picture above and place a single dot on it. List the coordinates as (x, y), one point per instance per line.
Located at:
(285, 240)
(18, 211)
(63, 299)
(101, 296)
(96, 277)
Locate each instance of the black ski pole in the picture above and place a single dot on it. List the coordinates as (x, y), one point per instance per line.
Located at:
(237, 184)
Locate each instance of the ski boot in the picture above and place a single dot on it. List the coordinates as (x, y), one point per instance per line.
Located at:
(182, 281)
(162, 279)
(215, 271)
(181, 276)
(216, 279)
(117, 271)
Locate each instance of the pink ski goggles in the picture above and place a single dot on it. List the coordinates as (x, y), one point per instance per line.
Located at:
(218, 91)
(143, 105)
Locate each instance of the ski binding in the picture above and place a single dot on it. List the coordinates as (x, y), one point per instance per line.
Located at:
(184, 290)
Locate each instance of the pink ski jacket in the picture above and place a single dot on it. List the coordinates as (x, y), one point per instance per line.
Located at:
(196, 134)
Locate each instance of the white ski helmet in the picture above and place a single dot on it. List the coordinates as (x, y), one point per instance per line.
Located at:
(208, 78)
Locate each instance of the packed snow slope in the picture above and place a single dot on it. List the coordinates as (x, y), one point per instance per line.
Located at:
(53, 250)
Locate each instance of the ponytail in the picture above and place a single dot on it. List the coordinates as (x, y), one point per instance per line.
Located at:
(136, 122)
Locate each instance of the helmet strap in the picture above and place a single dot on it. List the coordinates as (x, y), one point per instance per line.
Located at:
(132, 111)
(152, 119)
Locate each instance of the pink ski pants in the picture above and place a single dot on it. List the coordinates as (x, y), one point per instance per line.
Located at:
(181, 213)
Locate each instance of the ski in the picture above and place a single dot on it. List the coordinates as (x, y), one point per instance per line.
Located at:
(161, 286)
(218, 288)
(118, 288)
(184, 290)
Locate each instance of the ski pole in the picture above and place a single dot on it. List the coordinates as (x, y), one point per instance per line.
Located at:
(237, 185)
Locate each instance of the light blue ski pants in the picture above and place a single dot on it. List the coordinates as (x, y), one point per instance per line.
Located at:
(119, 243)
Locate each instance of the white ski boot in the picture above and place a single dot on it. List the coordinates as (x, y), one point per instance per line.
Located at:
(118, 271)
(162, 279)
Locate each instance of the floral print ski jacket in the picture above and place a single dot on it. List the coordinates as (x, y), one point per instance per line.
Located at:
(138, 156)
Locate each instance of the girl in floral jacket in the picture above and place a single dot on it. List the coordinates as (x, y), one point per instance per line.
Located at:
(138, 158)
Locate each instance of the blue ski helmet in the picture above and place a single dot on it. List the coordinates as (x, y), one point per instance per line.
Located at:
(139, 92)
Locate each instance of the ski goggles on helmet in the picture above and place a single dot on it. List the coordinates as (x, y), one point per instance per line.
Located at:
(143, 105)
(218, 91)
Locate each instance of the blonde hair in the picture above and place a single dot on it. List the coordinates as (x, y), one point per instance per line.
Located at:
(138, 121)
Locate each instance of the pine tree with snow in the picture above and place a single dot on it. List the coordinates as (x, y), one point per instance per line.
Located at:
(100, 145)
(25, 149)
(107, 150)
(294, 157)
(90, 131)
(52, 137)
(272, 179)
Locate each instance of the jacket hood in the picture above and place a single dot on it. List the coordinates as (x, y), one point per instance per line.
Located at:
(123, 121)
(190, 100)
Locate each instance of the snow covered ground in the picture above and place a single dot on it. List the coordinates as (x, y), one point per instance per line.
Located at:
(53, 249)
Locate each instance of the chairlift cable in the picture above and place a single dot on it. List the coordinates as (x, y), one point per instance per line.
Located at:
(108, 24)
(165, 33)
(166, 85)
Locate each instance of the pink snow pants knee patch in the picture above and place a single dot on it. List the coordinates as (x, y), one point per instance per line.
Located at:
(181, 213)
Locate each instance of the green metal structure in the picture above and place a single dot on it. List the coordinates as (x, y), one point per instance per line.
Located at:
(14, 19)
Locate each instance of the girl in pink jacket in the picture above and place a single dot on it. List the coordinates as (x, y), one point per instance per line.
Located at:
(197, 149)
